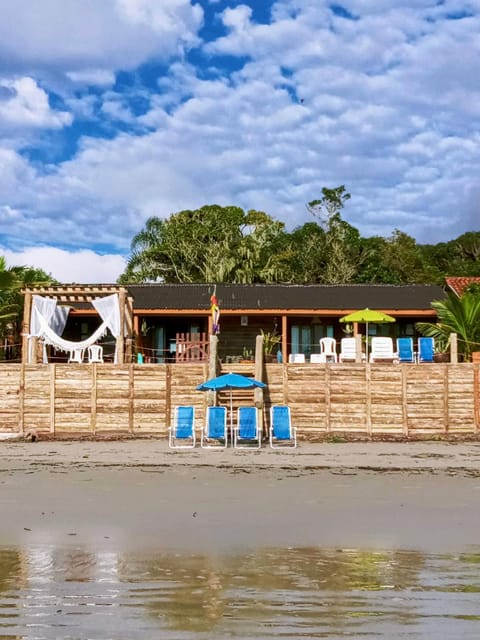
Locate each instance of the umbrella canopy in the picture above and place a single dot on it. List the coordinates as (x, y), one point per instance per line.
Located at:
(230, 381)
(366, 316)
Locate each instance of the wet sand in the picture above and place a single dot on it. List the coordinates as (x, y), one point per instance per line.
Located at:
(140, 494)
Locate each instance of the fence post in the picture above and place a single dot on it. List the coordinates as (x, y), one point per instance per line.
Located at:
(453, 348)
(212, 367)
(258, 393)
(358, 347)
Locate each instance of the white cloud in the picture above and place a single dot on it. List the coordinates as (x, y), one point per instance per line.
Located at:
(386, 104)
(78, 36)
(81, 267)
(25, 104)
(92, 77)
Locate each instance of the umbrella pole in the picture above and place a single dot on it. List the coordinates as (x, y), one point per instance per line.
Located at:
(231, 415)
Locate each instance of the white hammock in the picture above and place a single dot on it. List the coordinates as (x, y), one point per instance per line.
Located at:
(43, 316)
(50, 337)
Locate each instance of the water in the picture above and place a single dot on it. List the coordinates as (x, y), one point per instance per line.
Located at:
(80, 593)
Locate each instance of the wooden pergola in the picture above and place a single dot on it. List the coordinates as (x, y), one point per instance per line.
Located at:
(80, 294)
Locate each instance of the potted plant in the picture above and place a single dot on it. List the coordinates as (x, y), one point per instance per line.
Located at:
(270, 341)
(247, 355)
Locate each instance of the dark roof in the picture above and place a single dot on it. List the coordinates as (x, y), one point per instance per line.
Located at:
(266, 296)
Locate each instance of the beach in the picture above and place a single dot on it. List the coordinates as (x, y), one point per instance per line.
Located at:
(139, 494)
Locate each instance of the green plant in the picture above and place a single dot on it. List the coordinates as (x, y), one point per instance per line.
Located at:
(270, 340)
(455, 315)
(247, 354)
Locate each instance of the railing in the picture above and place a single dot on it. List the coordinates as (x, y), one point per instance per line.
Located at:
(191, 347)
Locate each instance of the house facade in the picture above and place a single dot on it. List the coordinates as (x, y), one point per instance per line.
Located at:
(165, 319)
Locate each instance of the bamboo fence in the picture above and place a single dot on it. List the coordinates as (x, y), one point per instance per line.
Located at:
(357, 400)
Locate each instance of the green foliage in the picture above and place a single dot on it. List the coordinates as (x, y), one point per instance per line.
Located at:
(455, 315)
(270, 340)
(210, 244)
(227, 244)
(12, 281)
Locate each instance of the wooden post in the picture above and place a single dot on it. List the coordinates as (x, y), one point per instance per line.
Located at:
(284, 339)
(21, 400)
(53, 369)
(404, 400)
(129, 328)
(328, 399)
(93, 401)
(358, 347)
(131, 397)
(120, 344)
(258, 393)
(453, 348)
(368, 398)
(27, 310)
(212, 367)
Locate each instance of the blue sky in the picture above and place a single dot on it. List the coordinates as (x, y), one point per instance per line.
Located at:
(114, 111)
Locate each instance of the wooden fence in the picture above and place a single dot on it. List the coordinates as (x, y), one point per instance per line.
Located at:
(373, 400)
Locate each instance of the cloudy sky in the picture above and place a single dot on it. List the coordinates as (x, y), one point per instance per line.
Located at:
(113, 111)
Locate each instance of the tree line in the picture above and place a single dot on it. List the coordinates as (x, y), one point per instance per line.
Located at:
(230, 245)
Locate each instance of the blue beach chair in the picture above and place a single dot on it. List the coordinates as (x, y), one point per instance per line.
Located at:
(426, 347)
(214, 433)
(405, 350)
(281, 431)
(182, 432)
(247, 432)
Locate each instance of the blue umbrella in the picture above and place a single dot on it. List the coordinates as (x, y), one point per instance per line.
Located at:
(230, 381)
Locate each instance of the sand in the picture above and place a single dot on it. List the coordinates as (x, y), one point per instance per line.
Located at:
(139, 495)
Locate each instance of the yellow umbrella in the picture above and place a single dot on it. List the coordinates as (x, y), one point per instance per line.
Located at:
(365, 316)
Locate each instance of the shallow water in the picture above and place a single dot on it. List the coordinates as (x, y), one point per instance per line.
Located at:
(53, 592)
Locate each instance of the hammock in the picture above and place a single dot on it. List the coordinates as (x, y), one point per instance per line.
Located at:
(50, 337)
(44, 315)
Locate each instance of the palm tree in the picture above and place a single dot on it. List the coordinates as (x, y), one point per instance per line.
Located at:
(460, 315)
(12, 281)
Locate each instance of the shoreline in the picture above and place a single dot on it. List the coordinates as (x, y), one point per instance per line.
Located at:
(373, 456)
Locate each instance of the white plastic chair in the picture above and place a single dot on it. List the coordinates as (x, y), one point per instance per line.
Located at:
(76, 356)
(297, 358)
(328, 349)
(95, 353)
(316, 358)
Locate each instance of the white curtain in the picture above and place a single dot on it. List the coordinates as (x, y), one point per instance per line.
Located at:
(47, 324)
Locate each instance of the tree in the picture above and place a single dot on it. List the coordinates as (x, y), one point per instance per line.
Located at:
(12, 281)
(460, 315)
(341, 240)
(210, 244)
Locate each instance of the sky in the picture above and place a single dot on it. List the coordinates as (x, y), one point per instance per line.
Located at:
(114, 111)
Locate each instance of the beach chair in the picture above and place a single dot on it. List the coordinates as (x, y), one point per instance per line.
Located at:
(426, 348)
(95, 353)
(405, 350)
(214, 433)
(296, 358)
(348, 350)
(281, 431)
(328, 349)
(76, 356)
(382, 350)
(181, 435)
(247, 432)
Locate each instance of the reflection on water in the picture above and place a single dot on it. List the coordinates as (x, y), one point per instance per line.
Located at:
(49, 592)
